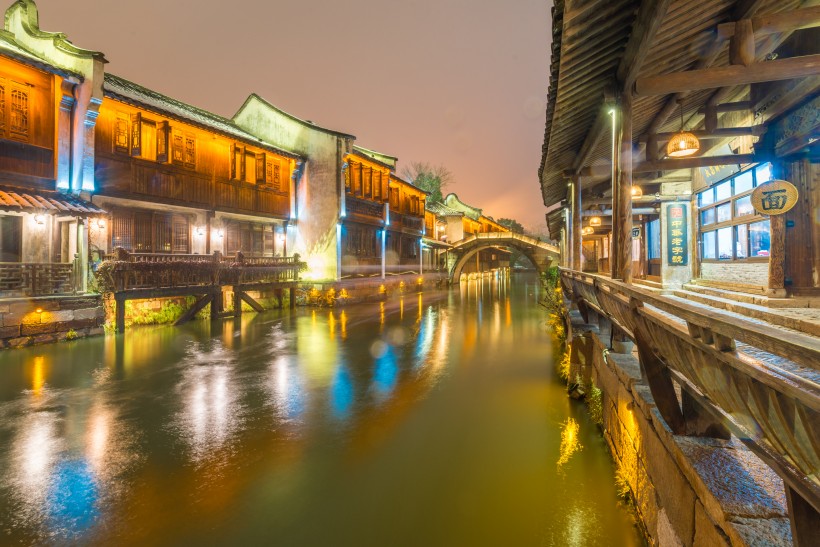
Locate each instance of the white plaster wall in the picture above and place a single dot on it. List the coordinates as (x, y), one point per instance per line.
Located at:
(36, 238)
(454, 229)
(317, 191)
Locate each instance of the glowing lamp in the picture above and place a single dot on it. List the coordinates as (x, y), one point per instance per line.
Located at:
(39, 310)
(636, 191)
(595, 221)
(682, 143)
(220, 233)
(200, 231)
(101, 223)
(39, 219)
(588, 230)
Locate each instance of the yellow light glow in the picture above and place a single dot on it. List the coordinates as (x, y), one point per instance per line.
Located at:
(38, 376)
(682, 144)
(595, 221)
(569, 442)
(636, 191)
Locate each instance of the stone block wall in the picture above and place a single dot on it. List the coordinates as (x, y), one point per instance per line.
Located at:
(29, 321)
(686, 490)
(749, 273)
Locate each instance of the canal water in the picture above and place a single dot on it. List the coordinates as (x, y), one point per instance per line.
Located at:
(431, 419)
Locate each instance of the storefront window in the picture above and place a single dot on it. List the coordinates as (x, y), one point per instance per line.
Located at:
(723, 190)
(653, 230)
(709, 245)
(11, 238)
(724, 212)
(730, 228)
(724, 240)
(759, 238)
(743, 207)
(707, 217)
(744, 183)
(763, 173)
(742, 241)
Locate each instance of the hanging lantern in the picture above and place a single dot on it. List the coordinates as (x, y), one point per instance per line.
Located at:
(636, 191)
(682, 143)
(595, 221)
(587, 231)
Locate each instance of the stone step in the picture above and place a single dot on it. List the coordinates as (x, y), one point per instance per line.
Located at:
(810, 324)
(747, 298)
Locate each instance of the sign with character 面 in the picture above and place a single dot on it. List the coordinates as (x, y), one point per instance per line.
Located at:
(774, 197)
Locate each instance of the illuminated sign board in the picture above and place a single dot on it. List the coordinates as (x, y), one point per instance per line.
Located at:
(677, 234)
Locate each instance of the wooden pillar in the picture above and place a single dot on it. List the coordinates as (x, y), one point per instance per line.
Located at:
(237, 301)
(292, 298)
(575, 196)
(216, 302)
(777, 255)
(621, 192)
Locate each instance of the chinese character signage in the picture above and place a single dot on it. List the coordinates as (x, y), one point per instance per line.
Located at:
(677, 234)
(774, 198)
(636, 232)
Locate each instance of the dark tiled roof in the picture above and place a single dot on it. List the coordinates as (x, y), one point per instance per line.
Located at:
(439, 209)
(31, 200)
(132, 93)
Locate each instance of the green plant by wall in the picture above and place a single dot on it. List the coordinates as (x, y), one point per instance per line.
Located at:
(169, 312)
(594, 398)
(71, 335)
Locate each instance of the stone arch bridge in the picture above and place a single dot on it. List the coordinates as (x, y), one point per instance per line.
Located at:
(540, 253)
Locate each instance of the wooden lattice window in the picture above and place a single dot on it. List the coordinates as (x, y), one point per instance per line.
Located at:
(277, 183)
(260, 167)
(250, 238)
(377, 185)
(149, 232)
(368, 182)
(190, 151)
(162, 142)
(136, 134)
(357, 179)
(177, 148)
(121, 142)
(269, 171)
(19, 114)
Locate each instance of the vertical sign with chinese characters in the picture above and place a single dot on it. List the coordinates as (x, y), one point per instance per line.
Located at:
(677, 234)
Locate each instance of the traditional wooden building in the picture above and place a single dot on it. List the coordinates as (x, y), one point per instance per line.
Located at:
(681, 164)
(179, 180)
(47, 110)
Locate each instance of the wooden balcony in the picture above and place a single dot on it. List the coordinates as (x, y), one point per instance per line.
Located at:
(731, 367)
(37, 279)
(164, 273)
(364, 208)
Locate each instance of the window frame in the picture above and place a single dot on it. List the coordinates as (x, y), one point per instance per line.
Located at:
(734, 220)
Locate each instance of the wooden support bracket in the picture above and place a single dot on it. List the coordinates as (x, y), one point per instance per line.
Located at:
(660, 384)
(203, 301)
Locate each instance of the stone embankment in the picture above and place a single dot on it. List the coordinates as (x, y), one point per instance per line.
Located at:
(686, 490)
(30, 321)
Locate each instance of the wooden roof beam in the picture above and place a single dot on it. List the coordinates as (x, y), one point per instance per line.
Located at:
(733, 75)
(744, 10)
(774, 23)
(675, 164)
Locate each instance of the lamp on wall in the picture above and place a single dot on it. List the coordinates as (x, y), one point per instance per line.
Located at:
(200, 231)
(682, 143)
(101, 223)
(595, 221)
(39, 219)
(220, 233)
(636, 191)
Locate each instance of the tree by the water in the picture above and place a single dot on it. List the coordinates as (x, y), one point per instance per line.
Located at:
(512, 225)
(432, 178)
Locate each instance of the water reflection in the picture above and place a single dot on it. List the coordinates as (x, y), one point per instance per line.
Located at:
(210, 411)
(430, 413)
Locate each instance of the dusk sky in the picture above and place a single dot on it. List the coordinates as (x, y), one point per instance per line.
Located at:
(461, 83)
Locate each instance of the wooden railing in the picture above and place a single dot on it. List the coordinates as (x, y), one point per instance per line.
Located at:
(125, 271)
(363, 207)
(33, 279)
(762, 383)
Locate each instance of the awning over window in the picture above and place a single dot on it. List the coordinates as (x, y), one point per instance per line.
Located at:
(30, 200)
